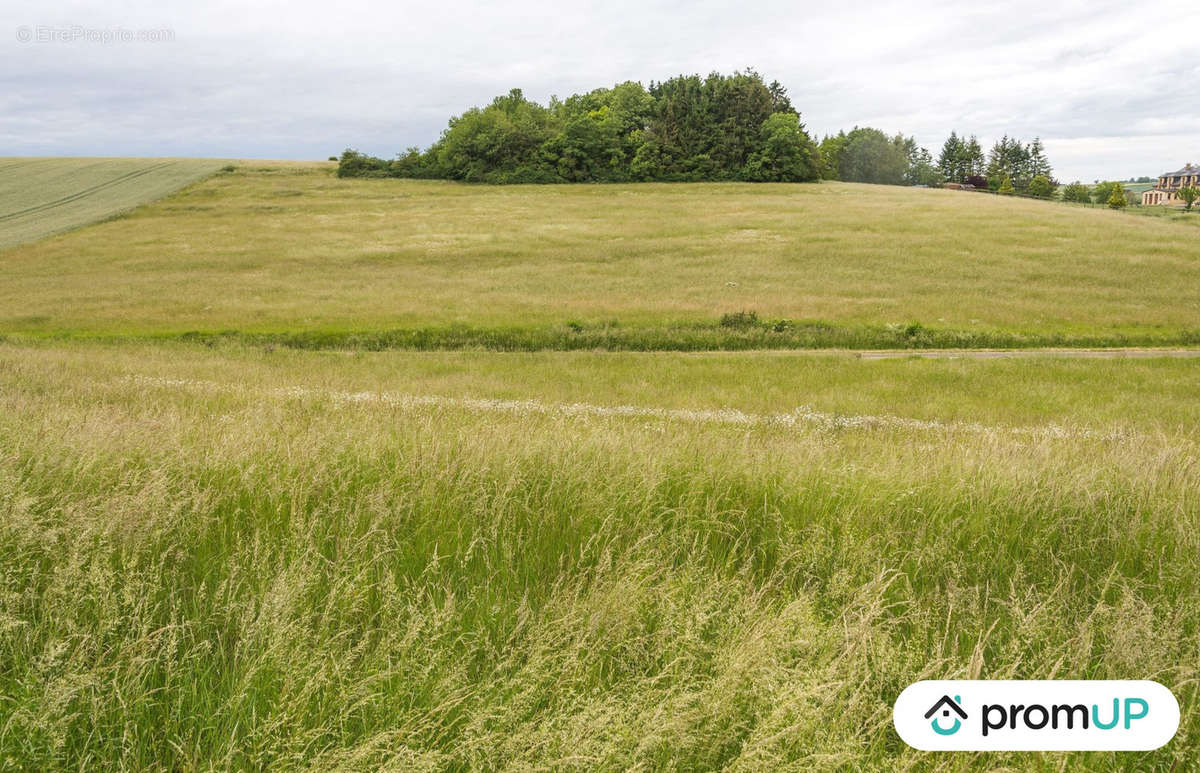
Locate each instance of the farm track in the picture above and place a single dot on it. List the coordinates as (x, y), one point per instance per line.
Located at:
(801, 416)
(995, 354)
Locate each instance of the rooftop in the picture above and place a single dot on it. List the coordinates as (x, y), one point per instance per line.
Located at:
(1188, 169)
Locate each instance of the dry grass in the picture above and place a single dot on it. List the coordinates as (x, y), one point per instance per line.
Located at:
(275, 247)
(243, 569)
(40, 197)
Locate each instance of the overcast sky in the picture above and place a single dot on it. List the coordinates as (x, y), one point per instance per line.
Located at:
(1109, 86)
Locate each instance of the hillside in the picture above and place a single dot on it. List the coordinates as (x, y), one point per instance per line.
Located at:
(44, 196)
(289, 250)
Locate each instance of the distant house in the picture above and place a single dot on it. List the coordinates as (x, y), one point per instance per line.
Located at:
(1166, 190)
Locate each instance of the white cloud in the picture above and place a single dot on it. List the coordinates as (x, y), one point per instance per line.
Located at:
(1100, 82)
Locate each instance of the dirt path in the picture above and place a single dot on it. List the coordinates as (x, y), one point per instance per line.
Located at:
(800, 416)
(995, 354)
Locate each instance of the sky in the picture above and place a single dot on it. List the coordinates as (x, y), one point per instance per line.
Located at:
(1112, 88)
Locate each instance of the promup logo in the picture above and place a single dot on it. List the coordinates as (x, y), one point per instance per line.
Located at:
(1036, 715)
(945, 705)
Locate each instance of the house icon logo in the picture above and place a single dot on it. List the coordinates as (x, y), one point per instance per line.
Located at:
(945, 706)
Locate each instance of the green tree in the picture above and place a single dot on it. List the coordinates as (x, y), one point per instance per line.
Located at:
(973, 162)
(1188, 195)
(1116, 199)
(1077, 192)
(870, 157)
(599, 133)
(1038, 163)
(831, 156)
(1006, 187)
(918, 163)
(1104, 191)
(1010, 158)
(949, 161)
(499, 143)
(960, 159)
(787, 155)
(707, 128)
(720, 127)
(1040, 187)
(922, 171)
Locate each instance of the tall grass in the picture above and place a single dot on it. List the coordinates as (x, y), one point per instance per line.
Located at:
(269, 577)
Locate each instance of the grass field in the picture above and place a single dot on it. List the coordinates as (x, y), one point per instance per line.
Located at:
(44, 196)
(247, 559)
(290, 252)
(217, 552)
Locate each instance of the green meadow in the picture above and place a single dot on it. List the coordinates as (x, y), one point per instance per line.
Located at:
(290, 253)
(274, 495)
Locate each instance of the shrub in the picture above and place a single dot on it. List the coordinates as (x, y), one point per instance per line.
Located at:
(740, 319)
(1116, 199)
(1041, 187)
(355, 164)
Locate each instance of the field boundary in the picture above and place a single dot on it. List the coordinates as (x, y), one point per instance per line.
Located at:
(871, 340)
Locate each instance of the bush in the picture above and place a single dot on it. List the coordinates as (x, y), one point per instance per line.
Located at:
(355, 164)
(1116, 199)
(740, 319)
(1041, 187)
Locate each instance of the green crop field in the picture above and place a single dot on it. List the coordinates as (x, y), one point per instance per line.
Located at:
(44, 196)
(233, 535)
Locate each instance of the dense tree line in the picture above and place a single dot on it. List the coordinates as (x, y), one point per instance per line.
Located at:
(719, 127)
(722, 127)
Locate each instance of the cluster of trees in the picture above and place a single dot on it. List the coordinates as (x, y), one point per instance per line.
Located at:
(1101, 193)
(1010, 167)
(962, 161)
(867, 155)
(722, 127)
